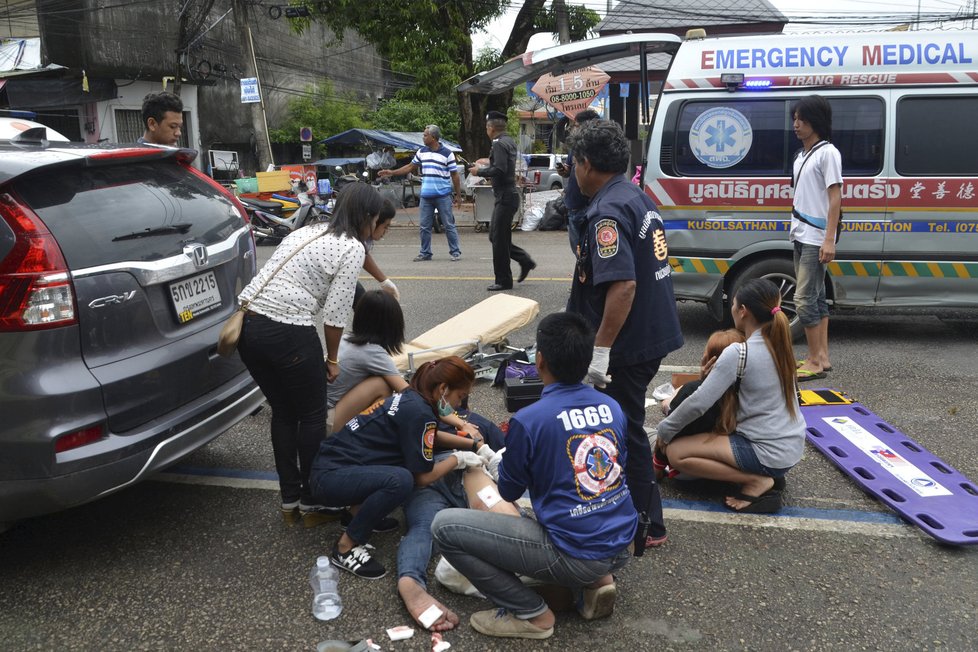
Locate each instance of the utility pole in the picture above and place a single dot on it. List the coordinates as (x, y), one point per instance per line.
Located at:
(563, 35)
(259, 121)
(563, 24)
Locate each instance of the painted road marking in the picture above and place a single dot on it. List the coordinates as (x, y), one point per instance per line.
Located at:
(806, 519)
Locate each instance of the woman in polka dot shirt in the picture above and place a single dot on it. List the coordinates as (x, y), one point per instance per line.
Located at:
(280, 344)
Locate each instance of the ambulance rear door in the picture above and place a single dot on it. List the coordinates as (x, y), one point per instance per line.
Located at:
(931, 243)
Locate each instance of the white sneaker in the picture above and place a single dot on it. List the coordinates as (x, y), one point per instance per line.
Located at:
(451, 579)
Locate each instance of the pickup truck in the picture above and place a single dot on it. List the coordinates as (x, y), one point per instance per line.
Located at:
(541, 171)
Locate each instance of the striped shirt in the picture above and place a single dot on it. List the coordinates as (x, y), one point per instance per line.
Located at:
(437, 166)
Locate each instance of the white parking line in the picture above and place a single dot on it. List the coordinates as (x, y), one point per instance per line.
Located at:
(882, 530)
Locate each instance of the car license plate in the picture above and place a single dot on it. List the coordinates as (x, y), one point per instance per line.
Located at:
(195, 296)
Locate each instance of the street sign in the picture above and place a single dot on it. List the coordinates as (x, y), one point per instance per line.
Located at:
(249, 90)
(305, 134)
(571, 92)
(306, 152)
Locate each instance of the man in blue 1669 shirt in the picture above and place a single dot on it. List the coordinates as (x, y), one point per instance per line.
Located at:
(568, 451)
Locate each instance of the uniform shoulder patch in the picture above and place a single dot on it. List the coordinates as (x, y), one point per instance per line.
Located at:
(428, 440)
(606, 238)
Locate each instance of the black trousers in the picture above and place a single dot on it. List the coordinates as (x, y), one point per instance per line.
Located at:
(628, 386)
(287, 363)
(501, 237)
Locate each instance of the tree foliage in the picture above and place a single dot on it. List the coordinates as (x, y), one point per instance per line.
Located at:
(414, 115)
(325, 111)
(432, 41)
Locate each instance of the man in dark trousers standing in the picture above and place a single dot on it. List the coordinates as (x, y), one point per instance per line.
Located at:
(622, 286)
(500, 168)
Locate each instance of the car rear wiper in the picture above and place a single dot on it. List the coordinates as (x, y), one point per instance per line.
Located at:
(160, 230)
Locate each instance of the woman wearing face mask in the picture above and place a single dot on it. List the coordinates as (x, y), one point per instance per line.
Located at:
(377, 459)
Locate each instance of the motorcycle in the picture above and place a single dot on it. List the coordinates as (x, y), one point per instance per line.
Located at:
(268, 223)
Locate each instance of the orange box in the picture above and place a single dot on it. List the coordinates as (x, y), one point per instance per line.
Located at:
(678, 380)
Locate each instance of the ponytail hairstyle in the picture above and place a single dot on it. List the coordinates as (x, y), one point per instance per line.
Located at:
(452, 371)
(730, 401)
(763, 300)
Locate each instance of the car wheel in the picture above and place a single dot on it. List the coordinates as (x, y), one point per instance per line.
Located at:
(556, 185)
(781, 272)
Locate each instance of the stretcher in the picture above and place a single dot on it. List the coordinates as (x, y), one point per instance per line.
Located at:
(478, 335)
(924, 489)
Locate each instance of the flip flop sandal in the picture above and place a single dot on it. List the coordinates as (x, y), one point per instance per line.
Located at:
(803, 375)
(767, 503)
(799, 363)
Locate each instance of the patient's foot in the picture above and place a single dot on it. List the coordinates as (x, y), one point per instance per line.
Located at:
(417, 600)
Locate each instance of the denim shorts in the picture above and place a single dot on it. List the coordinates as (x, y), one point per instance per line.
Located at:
(746, 458)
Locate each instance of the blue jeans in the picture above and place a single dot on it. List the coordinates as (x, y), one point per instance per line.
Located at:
(414, 551)
(287, 363)
(576, 221)
(491, 550)
(378, 490)
(427, 217)
(810, 300)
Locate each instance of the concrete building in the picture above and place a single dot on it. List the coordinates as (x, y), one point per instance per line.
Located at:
(114, 55)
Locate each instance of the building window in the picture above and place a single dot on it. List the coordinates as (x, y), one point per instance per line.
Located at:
(129, 127)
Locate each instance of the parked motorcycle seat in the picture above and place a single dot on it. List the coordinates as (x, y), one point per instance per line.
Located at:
(261, 204)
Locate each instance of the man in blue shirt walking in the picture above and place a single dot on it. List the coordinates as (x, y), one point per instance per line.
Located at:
(568, 450)
(439, 175)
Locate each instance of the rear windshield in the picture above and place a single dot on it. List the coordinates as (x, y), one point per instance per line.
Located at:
(128, 212)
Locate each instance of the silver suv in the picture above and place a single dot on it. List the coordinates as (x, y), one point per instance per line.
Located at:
(118, 266)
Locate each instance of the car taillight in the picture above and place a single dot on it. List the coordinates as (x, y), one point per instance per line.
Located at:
(536, 177)
(35, 287)
(77, 439)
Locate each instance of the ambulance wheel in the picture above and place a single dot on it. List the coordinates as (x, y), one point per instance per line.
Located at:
(781, 272)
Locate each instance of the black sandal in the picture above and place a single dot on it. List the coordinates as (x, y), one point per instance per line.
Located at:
(766, 503)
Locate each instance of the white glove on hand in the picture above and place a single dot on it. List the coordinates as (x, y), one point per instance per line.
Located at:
(492, 466)
(388, 286)
(465, 459)
(485, 453)
(597, 373)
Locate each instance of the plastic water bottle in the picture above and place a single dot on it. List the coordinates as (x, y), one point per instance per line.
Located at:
(326, 603)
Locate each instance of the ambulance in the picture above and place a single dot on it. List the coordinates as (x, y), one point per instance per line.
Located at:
(721, 146)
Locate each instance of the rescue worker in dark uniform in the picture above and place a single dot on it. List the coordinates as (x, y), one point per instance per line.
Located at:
(622, 286)
(500, 168)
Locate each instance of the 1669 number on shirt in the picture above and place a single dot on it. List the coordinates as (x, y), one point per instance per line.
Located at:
(592, 415)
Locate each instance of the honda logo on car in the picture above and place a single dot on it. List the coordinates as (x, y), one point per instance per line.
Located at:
(197, 253)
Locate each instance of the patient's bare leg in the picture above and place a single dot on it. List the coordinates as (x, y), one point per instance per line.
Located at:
(475, 480)
(359, 399)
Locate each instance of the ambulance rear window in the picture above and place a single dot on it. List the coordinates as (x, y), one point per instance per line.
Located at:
(936, 136)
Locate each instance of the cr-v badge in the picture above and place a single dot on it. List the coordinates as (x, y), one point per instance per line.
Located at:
(112, 299)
